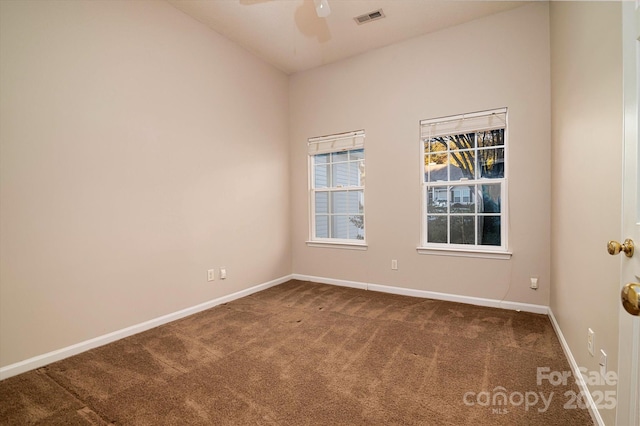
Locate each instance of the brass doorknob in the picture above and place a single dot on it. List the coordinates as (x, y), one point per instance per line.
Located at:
(631, 298)
(614, 247)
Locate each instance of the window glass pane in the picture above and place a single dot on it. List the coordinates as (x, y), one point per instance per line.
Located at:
(491, 138)
(356, 227)
(431, 160)
(322, 226)
(322, 202)
(361, 173)
(435, 145)
(489, 230)
(463, 230)
(354, 173)
(321, 176)
(437, 229)
(465, 141)
(356, 154)
(491, 163)
(435, 161)
(355, 201)
(462, 165)
(340, 227)
(340, 174)
(490, 198)
(321, 159)
(339, 202)
(462, 199)
(436, 168)
(339, 156)
(437, 199)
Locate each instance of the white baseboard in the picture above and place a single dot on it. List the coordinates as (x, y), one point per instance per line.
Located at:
(492, 303)
(575, 370)
(322, 280)
(57, 355)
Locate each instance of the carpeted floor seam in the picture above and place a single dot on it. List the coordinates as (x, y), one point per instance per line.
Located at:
(77, 397)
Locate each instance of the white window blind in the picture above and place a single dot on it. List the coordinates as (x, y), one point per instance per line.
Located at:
(336, 143)
(461, 124)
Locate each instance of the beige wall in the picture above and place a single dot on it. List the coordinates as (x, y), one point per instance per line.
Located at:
(138, 150)
(586, 75)
(499, 61)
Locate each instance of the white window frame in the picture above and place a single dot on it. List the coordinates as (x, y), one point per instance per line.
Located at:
(465, 123)
(336, 143)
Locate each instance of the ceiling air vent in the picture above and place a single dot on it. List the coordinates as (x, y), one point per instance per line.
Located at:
(368, 17)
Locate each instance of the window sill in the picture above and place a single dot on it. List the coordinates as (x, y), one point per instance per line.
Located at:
(336, 244)
(481, 254)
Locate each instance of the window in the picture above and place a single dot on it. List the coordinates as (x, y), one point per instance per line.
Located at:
(336, 175)
(464, 183)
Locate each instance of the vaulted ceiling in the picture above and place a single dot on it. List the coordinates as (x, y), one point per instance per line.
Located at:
(289, 34)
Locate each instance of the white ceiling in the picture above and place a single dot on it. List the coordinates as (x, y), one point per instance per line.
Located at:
(289, 35)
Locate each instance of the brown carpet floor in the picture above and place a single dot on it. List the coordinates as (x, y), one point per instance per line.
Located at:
(310, 354)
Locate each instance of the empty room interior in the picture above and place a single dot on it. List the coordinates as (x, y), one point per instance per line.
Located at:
(295, 216)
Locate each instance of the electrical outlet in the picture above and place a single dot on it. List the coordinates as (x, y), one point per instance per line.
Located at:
(603, 364)
(223, 273)
(534, 283)
(211, 274)
(590, 341)
(394, 264)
